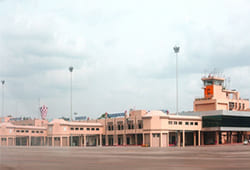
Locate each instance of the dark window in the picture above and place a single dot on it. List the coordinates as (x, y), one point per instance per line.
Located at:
(88, 128)
(71, 128)
(153, 135)
(3, 139)
(81, 128)
(37, 131)
(196, 123)
(175, 122)
(41, 131)
(97, 129)
(77, 129)
(22, 131)
(158, 135)
(121, 127)
(186, 123)
(180, 123)
(26, 131)
(170, 122)
(33, 131)
(92, 128)
(17, 131)
(191, 123)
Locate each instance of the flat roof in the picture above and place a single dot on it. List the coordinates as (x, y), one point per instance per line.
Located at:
(217, 112)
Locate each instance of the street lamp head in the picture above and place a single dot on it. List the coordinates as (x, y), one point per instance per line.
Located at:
(3, 81)
(71, 68)
(176, 49)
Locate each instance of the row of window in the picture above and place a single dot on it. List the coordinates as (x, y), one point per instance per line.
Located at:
(180, 123)
(97, 129)
(121, 127)
(27, 131)
(233, 105)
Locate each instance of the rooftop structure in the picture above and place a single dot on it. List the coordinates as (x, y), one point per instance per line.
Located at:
(217, 97)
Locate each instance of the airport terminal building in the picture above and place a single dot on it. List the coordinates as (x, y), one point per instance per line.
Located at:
(220, 117)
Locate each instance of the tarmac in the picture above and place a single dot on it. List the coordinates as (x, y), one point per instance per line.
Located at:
(112, 158)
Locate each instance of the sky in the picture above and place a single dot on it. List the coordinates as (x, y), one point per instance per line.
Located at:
(121, 51)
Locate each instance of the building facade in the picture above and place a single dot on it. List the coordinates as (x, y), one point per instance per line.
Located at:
(220, 117)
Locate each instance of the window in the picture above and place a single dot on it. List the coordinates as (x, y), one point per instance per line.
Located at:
(17, 131)
(37, 131)
(170, 122)
(77, 129)
(3, 139)
(22, 131)
(81, 128)
(26, 131)
(88, 129)
(71, 128)
(97, 129)
(196, 123)
(175, 122)
(158, 135)
(186, 123)
(92, 128)
(33, 131)
(153, 135)
(57, 139)
(119, 127)
(41, 131)
(64, 128)
(191, 123)
(180, 123)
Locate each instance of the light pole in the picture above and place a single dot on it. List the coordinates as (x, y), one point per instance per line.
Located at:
(71, 70)
(2, 81)
(176, 50)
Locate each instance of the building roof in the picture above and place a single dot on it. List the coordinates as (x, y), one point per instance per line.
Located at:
(217, 112)
(61, 121)
(154, 113)
(10, 125)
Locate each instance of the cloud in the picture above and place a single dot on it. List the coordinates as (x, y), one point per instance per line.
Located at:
(122, 52)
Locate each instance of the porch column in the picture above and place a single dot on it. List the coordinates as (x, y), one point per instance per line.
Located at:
(217, 137)
(106, 140)
(202, 138)
(100, 139)
(183, 138)
(124, 139)
(81, 140)
(67, 140)
(231, 137)
(60, 141)
(199, 138)
(161, 143)
(0, 141)
(143, 139)
(29, 140)
(85, 142)
(136, 142)
(13, 142)
(167, 139)
(194, 133)
(96, 140)
(53, 141)
(179, 138)
(151, 139)
(7, 141)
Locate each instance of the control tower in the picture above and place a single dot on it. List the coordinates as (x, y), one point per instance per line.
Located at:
(217, 97)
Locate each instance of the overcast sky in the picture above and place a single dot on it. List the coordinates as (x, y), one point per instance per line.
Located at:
(122, 53)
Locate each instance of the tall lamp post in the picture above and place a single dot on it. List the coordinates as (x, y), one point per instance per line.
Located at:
(3, 82)
(71, 70)
(176, 50)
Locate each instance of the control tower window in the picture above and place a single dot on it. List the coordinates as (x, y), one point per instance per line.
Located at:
(208, 82)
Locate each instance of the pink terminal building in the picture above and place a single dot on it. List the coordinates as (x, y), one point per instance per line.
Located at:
(220, 117)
